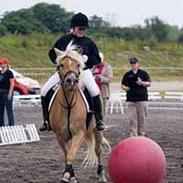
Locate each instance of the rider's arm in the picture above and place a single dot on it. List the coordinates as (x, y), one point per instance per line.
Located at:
(52, 55)
(61, 44)
(93, 55)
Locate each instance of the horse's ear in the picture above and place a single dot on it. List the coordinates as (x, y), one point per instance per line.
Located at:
(58, 52)
(80, 50)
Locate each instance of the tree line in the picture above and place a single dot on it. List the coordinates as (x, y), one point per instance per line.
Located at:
(53, 18)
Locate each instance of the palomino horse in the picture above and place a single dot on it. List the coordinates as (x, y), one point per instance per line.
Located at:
(68, 117)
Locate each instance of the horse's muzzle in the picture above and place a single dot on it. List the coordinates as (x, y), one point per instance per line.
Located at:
(70, 82)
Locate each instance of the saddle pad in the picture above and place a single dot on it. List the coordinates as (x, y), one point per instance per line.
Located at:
(53, 97)
(82, 95)
(85, 100)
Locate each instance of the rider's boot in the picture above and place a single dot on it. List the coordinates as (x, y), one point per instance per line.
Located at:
(45, 104)
(97, 107)
(45, 125)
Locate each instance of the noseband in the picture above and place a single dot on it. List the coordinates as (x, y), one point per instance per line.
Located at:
(62, 78)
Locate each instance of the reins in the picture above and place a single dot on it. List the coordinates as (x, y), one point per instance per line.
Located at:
(69, 104)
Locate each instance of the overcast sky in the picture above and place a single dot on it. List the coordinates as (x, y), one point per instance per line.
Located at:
(117, 12)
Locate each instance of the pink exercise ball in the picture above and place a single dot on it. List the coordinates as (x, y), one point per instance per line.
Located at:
(137, 160)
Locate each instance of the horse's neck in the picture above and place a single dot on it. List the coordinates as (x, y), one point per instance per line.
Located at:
(69, 95)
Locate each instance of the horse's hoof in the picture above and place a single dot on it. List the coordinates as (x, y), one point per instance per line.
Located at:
(63, 181)
(70, 180)
(73, 180)
(102, 178)
(66, 177)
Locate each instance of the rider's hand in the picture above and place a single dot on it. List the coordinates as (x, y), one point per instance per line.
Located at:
(85, 58)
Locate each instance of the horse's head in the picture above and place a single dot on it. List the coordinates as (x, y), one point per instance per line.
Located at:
(69, 64)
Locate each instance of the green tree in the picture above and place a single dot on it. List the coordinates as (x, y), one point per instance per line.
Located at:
(173, 33)
(21, 22)
(158, 28)
(53, 17)
(98, 22)
(180, 39)
(3, 29)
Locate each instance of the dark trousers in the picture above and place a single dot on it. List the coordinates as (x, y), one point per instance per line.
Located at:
(8, 104)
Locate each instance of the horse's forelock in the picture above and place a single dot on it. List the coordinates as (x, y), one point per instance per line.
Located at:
(71, 51)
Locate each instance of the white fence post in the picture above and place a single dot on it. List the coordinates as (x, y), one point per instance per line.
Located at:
(18, 134)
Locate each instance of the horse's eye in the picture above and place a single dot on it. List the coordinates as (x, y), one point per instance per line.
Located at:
(78, 65)
(61, 65)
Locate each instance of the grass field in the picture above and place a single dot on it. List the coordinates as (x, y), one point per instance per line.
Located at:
(164, 61)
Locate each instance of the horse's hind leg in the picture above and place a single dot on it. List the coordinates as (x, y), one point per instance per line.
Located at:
(98, 150)
(69, 175)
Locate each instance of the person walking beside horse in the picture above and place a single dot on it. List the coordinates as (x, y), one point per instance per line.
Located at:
(79, 23)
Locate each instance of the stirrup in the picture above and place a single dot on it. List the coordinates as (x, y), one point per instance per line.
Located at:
(100, 126)
(45, 127)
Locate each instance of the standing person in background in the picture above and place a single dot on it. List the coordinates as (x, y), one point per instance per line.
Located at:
(77, 35)
(103, 75)
(6, 92)
(135, 83)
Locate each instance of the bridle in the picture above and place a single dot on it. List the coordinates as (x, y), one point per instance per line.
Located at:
(76, 73)
(62, 78)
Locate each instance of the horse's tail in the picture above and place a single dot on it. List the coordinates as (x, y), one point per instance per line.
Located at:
(90, 157)
(106, 145)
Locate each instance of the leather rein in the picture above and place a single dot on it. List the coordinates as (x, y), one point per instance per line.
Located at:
(69, 103)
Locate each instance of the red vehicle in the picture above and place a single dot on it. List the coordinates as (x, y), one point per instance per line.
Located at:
(25, 85)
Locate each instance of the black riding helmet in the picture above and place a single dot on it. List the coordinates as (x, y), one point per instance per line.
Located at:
(79, 20)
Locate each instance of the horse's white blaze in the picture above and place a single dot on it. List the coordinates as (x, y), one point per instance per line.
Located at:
(70, 62)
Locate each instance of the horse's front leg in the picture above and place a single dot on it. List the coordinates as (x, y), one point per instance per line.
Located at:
(98, 150)
(69, 175)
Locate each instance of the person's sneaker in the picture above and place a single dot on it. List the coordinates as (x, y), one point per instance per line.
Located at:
(44, 127)
(100, 126)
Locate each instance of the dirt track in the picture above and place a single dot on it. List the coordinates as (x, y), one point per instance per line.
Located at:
(157, 85)
(42, 162)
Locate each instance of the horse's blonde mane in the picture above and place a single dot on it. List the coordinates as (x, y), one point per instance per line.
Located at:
(71, 51)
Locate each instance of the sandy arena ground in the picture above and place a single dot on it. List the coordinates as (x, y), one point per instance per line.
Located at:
(175, 85)
(42, 162)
